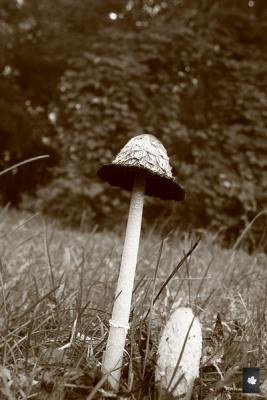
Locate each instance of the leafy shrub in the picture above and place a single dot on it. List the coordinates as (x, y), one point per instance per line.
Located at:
(191, 73)
(198, 85)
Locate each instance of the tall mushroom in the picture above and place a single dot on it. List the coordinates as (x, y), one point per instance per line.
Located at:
(142, 167)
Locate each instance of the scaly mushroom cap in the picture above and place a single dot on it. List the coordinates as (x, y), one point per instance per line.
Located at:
(143, 154)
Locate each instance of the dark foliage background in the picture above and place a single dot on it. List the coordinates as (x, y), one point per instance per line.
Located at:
(78, 79)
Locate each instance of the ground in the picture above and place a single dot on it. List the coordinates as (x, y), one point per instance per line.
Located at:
(57, 288)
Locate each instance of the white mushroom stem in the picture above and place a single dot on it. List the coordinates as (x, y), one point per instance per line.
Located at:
(113, 356)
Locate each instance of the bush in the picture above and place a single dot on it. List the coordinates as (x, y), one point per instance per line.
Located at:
(198, 86)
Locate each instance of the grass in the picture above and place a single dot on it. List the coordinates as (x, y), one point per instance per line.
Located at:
(57, 288)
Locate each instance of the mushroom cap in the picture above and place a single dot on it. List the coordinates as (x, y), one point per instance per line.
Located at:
(143, 154)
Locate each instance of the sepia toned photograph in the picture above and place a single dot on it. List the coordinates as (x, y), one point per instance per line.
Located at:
(133, 199)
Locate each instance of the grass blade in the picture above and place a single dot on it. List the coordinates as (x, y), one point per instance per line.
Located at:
(29, 160)
(151, 308)
(175, 271)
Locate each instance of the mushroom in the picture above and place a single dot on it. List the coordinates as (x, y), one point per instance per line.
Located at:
(142, 167)
(179, 354)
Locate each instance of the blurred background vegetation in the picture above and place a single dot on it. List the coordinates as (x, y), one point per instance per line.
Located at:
(78, 79)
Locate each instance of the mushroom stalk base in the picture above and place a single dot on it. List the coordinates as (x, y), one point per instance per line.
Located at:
(113, 356)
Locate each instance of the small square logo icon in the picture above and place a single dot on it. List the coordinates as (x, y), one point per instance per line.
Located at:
(251, 380)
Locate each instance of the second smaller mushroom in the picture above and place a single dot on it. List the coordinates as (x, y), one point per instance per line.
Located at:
(142, 167)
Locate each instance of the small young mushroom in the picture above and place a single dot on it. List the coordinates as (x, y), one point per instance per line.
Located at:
(142, 167)
(179, 354)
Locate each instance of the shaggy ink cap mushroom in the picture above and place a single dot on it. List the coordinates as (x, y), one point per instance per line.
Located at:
(142, 167)
(143, 154)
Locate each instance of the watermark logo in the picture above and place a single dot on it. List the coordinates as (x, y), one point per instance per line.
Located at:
(251, 380)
